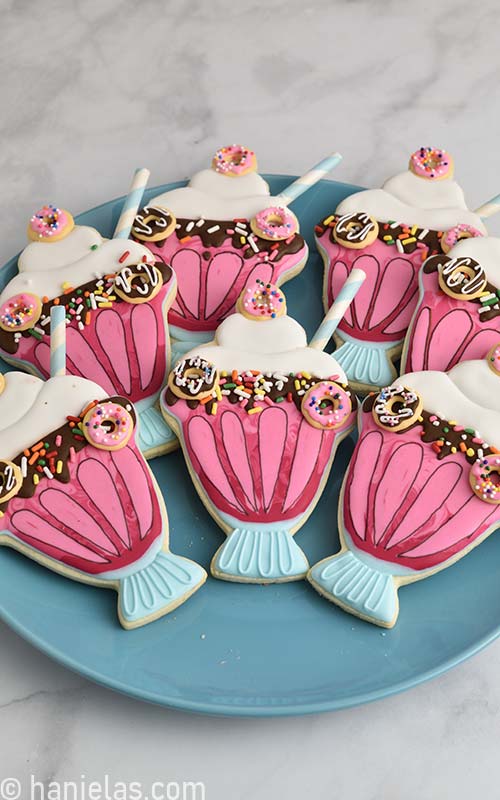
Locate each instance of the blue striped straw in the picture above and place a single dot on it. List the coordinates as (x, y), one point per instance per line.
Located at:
(337, 311)
(57, 341)
(489, 208)
(132, 203)
(312, 177)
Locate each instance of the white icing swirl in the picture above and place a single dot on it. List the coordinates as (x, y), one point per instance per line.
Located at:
(406, 198)
(45, 266)
(485, 250)
(468, 394)
(211, 195)
(31, 408)
(276, 345)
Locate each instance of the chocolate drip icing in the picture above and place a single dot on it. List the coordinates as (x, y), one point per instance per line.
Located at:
(405, 238)
(69, 299)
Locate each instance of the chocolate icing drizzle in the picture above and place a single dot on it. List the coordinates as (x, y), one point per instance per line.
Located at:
(278, 388)
(446, 437)
(405, 238)
(213, 233)
(74, 299)
(488, 306)
(45, 456)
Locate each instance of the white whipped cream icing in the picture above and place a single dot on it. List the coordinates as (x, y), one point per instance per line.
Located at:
(31, 408)
(437, 205)
(45, 266)
(212, 195)
(485, 250)
(274, 345)
(469, 394)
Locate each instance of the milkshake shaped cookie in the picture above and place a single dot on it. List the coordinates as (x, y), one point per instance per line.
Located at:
(421, 489)
(116, 295)
(219, 233)
(389, 232)
(77, 496)
(259, 414)
(458, 313)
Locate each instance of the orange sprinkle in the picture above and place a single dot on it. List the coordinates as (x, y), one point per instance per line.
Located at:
(45, 299)
(56, 301)
(185, 239)
(234, 375)
(87, 318)
(206, 400)
(494, 450)
(87, 408)
(37, 447)
(33, 459)
(463, 447)
(27, 452)
(69, 290)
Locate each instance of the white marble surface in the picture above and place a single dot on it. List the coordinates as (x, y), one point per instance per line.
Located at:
(85, 97)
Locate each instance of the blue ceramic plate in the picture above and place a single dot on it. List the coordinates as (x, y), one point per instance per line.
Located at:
(255, 650)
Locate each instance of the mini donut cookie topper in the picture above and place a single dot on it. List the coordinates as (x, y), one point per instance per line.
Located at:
(11, 480)
(275, 223)
(50, 224)
(153, 224)
(356, 230)
(20, 312)
(455, 234)
(138, 283)
(261, 301)
(484, 479)
(431, 162)
(461, 278)
(234, 161)
(397, 408)
(493, 359)
(108, 426)
(193, 379)
(326, 405)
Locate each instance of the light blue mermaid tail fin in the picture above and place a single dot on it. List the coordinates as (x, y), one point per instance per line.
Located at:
(259, 556)
(365, 363)
(357, 587)
(154, 433)
(179, 348)
(157, 589)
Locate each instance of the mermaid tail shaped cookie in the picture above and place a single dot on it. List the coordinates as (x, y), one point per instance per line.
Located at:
(256, 553)
(157, 588)
(350, 582)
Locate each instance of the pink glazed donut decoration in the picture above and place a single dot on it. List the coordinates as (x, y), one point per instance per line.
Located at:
(462, 231)
(108, 426)
(276, 223)
(431, 162)
(234, 160)
(326, 405)
(50, 222)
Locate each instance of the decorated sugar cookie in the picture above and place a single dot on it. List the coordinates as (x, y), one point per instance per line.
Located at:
(458, 312)
(260, 414)
(116, 295)
(77, 496)
(221, 232)
(422, 487)
(389, 233)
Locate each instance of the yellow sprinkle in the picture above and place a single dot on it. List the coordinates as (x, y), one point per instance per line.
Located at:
(328, 220)
(214, 409)
(66, 285)
(420, 419)
(409, 241)
(242, 239)
(255, 410)
(414, 230)
(111, 297)
(218, 392)
(303, 382)
(105, 305)
(260, 392)
(452, 422)
(306, 375)
(59, 467)
(296, 383)
(36, 479)
(1, 514)
(453, 449)
(470, 451)
(387, 238)
(224, 373)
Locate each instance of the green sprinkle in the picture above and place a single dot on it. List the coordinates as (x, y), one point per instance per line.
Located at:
(42, 462)
(46, 445)
(229, 386)
(471, 431)
(446, 430)
(78, 291)
(279, 400)
(35, 333)
(94, 247)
